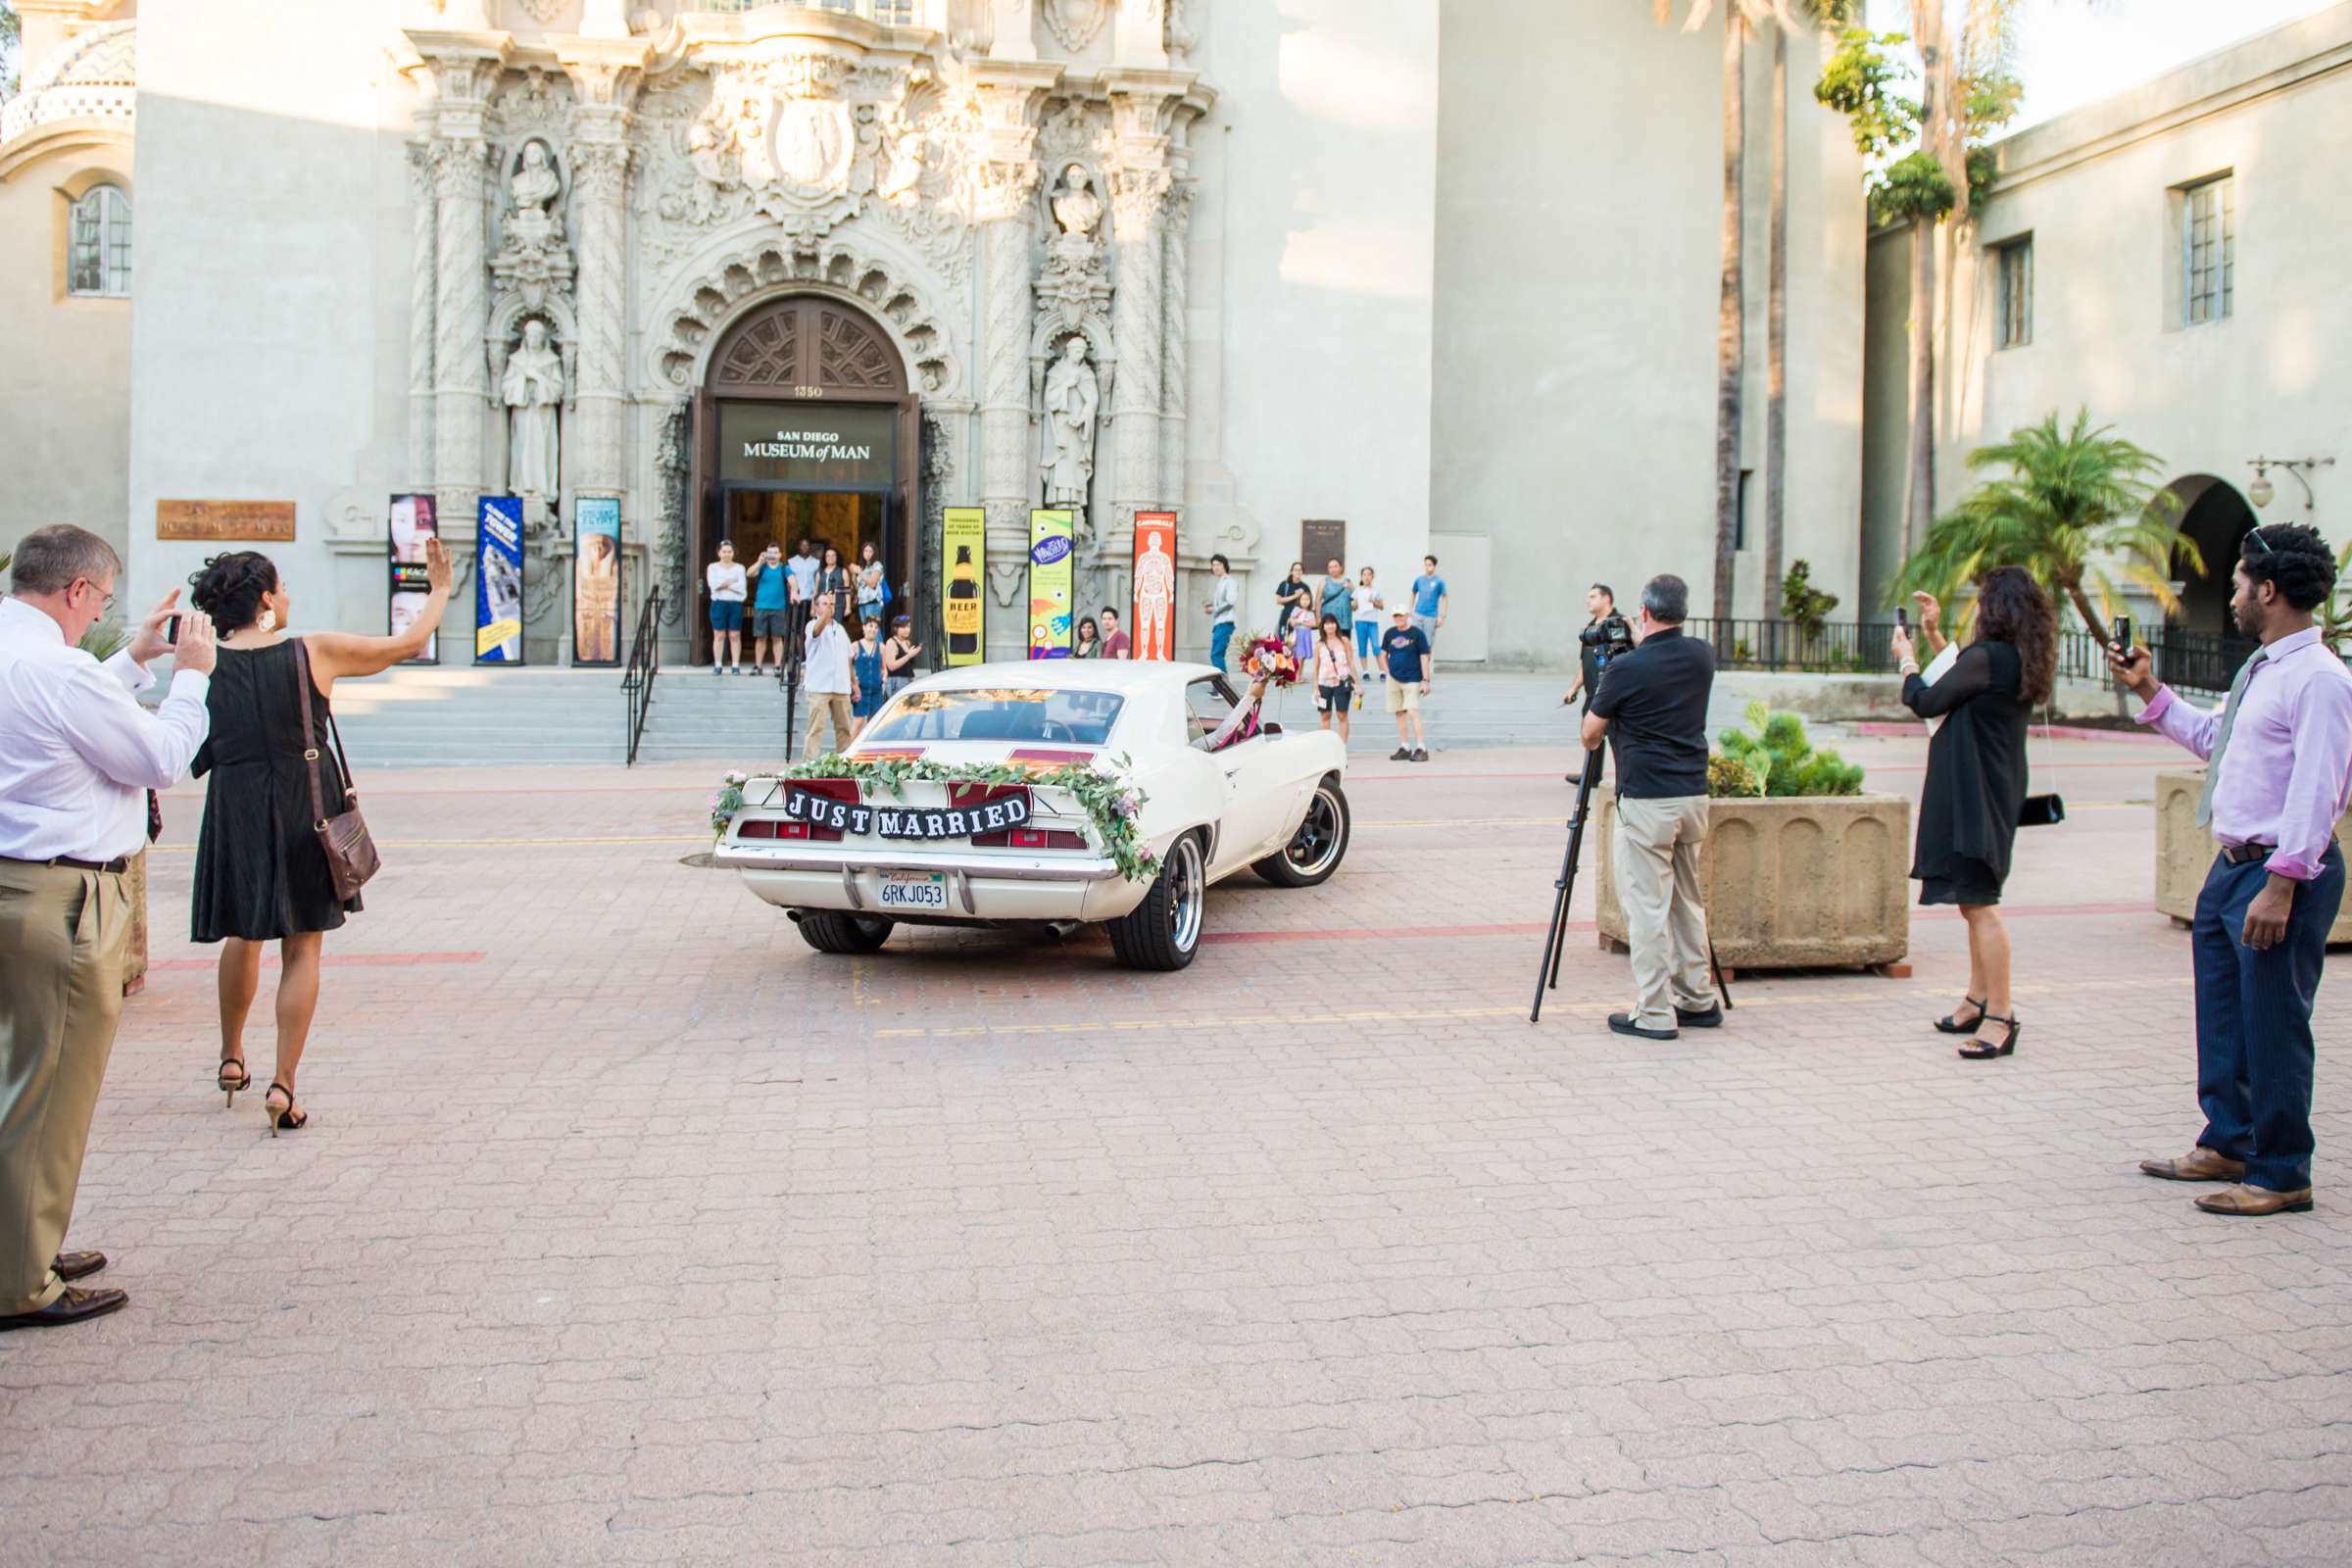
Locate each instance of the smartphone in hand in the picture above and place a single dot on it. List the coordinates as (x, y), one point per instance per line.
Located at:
(2123, 633)
(1903, 619)
(171, 631)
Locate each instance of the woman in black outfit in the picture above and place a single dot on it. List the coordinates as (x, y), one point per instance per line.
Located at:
(1977, 778)
(261, 873)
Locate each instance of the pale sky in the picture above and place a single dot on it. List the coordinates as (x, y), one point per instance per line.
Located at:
(2074, 52)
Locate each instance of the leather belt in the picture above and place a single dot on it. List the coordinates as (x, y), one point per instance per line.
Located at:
(116, 866)
(2246, 854)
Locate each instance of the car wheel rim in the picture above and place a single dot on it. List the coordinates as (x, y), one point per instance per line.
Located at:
(1184, 895)
(1316, 843)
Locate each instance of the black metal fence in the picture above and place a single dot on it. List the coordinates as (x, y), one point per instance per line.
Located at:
(2194, 661)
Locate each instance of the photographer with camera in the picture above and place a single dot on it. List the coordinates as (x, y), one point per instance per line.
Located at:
(1606, 630)
(1652, 707)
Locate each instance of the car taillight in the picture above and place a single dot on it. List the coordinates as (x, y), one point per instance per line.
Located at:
(1036, 838)
(769, 828)
(844, 790)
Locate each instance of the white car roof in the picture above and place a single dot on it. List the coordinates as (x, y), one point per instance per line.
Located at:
(1121, 675)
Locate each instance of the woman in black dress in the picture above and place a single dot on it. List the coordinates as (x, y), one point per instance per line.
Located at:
(261, 874)
(1977, 778)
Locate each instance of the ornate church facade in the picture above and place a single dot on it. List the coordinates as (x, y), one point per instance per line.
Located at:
(758, 270)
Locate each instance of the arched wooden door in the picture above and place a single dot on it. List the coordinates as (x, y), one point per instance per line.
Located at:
(785, 374)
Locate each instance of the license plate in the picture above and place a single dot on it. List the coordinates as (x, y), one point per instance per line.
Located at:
(913, 890)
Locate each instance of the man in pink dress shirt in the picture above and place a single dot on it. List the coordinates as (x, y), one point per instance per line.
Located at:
(2280, 769)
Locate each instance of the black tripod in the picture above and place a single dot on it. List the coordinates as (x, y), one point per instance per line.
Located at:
(1548, 976)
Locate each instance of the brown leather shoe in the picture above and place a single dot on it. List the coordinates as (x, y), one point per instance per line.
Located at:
(74, 1306)
(2200, 1164)
(78, 1265)
(2255, 1201)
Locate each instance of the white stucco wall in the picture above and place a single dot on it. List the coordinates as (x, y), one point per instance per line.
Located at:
(2096, 191)
(273, 241)
(63, 440)
(1313, 289)
(1578, 206)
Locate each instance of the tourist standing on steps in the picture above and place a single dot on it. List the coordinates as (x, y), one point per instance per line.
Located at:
(898, 655)
(2278, 768)
(1428, 600)
(801, 571)
(77, 759)
(1652, 710)
(261, 874)
(1336, 599)
(826, 678)
(771, 608)
(1115, 641)
(1223, 609)
(1976, 784)
(1090, 639)
(872, 590)
(1410, 666)
(866, 666)
(726, 581)
(1367, 605)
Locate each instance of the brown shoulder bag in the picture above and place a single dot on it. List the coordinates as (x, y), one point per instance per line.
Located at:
(351, 857)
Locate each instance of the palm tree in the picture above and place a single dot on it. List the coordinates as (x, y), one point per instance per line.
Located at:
(2071, 500)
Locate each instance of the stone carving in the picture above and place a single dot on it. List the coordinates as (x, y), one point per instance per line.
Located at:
(1075, 23)
(533, 265)
(534, 185)
(673, 469)
(710, 297)
(1178, 36)
(1077, 210)
(1073, 398)
(532, 389)
(544, 12)
(422, 242)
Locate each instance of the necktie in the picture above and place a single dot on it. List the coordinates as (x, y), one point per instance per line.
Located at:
(2221, 739)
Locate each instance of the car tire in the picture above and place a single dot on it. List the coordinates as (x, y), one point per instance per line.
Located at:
(1316, 849)
(832, 931)
(1163, 932)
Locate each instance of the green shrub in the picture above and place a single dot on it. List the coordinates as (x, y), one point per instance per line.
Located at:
(1771, 756)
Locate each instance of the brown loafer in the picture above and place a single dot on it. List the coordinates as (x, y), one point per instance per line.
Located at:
(2255, 1201)
(71, 1266)
(2200, 1164)
(72, 1305)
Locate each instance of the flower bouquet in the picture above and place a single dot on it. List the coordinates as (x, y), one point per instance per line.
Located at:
(1269, 659)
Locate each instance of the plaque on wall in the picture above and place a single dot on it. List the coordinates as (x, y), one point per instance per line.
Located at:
(269, 520)
(1322, 540)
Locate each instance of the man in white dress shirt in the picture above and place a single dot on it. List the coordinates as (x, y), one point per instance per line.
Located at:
(77, 756)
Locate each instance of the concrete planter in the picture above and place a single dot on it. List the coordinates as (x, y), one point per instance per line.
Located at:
(1795, 883)
(2184, 851)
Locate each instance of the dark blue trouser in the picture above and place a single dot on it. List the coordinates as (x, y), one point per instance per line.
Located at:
(1220, 637)
(2254, 1053)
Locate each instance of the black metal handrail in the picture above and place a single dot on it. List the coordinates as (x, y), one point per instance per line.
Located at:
(645, 662)
(2195, 662)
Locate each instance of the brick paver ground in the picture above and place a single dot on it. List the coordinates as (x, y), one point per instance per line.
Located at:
(628, 1229)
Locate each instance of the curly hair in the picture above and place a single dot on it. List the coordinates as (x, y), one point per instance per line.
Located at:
(231, 586)
(2012, 609)
(2294, 558)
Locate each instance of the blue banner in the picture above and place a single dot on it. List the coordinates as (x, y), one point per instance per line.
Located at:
(498, 581)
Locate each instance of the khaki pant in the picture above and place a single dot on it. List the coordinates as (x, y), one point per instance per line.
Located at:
(63, 937)
(1657, 882)
(821, 704)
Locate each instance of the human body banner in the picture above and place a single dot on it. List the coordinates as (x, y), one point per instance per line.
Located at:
(962, 574)
(1049, 616)
(1152, 625)
(498, 581)
(413, 522)
(596, 580)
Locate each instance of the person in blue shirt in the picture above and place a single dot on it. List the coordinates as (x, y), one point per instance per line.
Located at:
(1410, 665)
(770, 604)
(1428, 600)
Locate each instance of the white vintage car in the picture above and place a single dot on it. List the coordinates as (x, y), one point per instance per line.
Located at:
(848, 861)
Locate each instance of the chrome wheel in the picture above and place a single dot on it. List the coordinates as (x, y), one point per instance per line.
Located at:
(1187, 884)
(1320, 837)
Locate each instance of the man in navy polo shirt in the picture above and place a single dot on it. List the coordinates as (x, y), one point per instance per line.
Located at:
(1410, 663)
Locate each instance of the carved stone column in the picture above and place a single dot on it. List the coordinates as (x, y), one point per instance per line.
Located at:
(1175, 366)
(605, 76)
(423, 280)
(465, 68)
(1138, 206)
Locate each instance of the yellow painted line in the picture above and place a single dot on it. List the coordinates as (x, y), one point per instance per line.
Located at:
(1739, 999)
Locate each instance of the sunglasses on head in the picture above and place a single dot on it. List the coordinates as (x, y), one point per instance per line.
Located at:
(2255, 534)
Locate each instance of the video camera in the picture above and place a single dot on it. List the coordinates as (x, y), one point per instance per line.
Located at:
(1608, 636)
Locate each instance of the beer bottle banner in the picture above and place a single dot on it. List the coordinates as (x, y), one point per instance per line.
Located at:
(963, 572)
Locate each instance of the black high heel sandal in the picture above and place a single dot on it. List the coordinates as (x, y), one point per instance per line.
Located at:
(244, 1078)
(1984, 1051)
(287, 1118)
(1950, 1024)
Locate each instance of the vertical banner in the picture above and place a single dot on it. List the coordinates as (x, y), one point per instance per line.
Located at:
(1051, 618)
(596, 580)
(962, 570)
(498, 581)
(1152, 627)
(412, 523)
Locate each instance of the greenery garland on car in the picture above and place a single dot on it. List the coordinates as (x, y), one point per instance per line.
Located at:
(1109, 803)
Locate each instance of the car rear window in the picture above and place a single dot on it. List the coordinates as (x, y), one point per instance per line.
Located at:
(997, 713)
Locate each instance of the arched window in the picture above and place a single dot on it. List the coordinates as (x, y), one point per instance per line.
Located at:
(100, 258)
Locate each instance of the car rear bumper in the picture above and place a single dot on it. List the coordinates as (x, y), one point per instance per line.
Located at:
(979, 889)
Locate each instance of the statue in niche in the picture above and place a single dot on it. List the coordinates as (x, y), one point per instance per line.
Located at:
(534, 184)
(1076, 210)
(1073, 398)
(531, 388)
